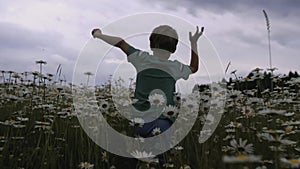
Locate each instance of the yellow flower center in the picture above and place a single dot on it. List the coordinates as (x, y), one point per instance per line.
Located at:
(12, 121)
(85, 164)
(294, 161)
(225, 148)
(235, 124)
(267, 161)
(241, 156)
(288, 130)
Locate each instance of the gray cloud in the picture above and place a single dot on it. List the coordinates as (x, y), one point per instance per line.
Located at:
(244, 35)
(237, 29)
(279, 7)
(21, 47)
(17, 37)
(283, 15)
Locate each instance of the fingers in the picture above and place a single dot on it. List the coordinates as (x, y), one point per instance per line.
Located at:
(95, 30)
(194, 37)
(199, 33)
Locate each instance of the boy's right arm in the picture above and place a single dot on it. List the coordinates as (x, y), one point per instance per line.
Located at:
(112, 40)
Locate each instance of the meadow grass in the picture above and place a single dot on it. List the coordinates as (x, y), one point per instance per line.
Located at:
(40, 129)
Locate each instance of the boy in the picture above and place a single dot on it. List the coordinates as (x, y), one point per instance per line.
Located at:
(156, 71)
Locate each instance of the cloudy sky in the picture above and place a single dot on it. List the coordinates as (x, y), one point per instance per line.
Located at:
(56, 31)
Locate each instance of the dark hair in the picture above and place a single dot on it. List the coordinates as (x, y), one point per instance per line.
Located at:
(164, 37)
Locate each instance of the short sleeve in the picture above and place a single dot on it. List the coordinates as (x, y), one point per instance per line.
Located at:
(131, 50)
(183, 71)
(132, 55)
(137, 57)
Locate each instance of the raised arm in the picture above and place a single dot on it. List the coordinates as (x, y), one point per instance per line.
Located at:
(112, 40)
(194, 51)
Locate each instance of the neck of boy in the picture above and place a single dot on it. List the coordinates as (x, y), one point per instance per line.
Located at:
(161, 54)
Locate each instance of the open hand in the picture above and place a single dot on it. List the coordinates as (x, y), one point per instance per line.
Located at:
(96, 32)
(194, 38)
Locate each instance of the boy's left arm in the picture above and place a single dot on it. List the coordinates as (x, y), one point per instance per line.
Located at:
(112, 40)
(194, 63)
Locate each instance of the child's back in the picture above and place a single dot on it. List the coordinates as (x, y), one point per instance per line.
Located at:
(156, 71)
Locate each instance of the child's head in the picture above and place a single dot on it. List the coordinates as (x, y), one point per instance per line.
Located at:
(164, 37)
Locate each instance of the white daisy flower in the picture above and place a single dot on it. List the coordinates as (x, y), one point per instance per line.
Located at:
(168, 165)
(230, 130)
(19, 126)
(144, 156)
(156, 131)
(210, 119)
(140, 139)
(279, 139)
(139, 154)
(280, 148)
(293, 163)
(291, 123)
(170, 111)
(271, 111)
(241, 147)
(178, 148)
(227, 148)
(137, 122)
(234, 124)
(229, 137)
(191, 105)
(104, 157)
(289, 114)
(86, 165)
(17, 138)
(185, 166)
(104, 105)
(242, 158)
(156, 99)
(23, 119)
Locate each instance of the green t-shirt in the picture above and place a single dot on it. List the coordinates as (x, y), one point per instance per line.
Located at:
(154, 73)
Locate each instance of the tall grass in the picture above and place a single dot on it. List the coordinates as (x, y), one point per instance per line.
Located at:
(39, 128)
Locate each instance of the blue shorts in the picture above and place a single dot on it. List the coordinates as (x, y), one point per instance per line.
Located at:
(147, 128)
